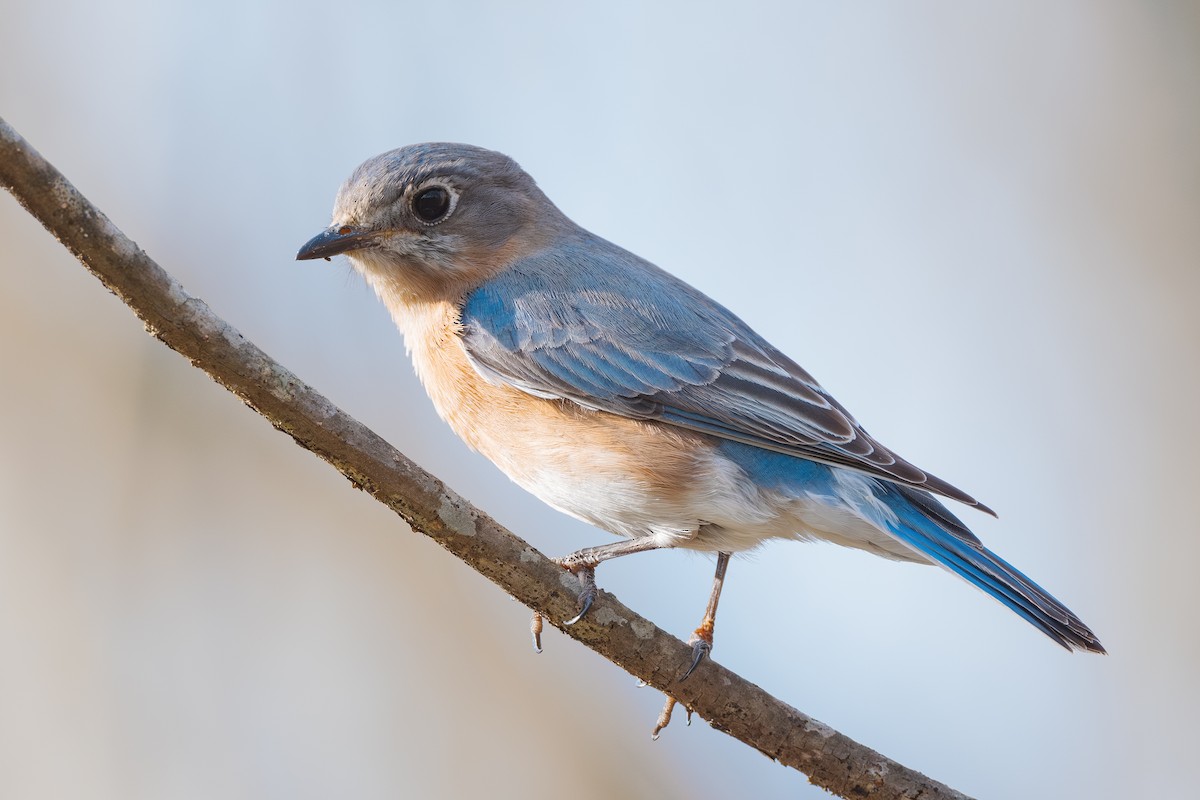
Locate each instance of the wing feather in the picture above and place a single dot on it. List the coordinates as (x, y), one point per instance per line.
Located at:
(588, 322)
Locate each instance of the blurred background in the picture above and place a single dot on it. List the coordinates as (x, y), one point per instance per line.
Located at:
(978, 226)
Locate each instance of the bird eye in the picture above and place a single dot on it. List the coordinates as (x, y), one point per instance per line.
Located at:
(432, 204)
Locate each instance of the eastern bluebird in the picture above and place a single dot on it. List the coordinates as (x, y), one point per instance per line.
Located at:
(624, 397)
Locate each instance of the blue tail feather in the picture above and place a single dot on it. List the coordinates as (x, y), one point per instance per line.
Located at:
(927, 527)
(938, 535)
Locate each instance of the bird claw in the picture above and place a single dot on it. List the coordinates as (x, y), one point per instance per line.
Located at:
(535, 630)
(702, 644)
(664, 717)
(586, 598)
(700, 649)
(587, 595)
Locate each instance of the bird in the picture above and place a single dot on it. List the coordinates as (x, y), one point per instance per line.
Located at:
(619, 394)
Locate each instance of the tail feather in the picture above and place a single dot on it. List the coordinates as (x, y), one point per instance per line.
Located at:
(939, 535)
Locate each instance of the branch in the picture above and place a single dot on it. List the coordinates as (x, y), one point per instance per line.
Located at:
(187, 325)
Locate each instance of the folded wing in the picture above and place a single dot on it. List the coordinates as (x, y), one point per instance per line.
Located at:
(591, 323)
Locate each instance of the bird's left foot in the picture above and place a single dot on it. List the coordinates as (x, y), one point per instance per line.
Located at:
(664, 717)
(535, 630)
(702, 644)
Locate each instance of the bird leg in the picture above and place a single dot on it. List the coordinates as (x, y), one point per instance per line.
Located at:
(583, 564)
(701, 642)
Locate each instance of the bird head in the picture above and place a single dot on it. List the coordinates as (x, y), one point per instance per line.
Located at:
(431, 219)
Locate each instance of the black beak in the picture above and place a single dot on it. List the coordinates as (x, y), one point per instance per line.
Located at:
(334, 241)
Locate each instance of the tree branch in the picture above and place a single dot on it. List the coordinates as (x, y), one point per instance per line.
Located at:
(187, 325)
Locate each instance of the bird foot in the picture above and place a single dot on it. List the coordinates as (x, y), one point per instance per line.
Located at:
(664, 717)
(586, 572)
(535, 630)
(702, 644)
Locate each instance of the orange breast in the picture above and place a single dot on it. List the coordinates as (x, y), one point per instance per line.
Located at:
(567, 455)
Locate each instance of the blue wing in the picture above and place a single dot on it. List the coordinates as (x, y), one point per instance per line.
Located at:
(588, 322)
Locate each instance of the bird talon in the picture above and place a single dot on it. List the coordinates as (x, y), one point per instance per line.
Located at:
(700, 649)
(586, 598)
(664, 717)
(535, 629)
(587, 595)
(702, 644)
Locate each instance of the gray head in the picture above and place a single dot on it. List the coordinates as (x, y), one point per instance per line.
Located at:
(430, 217)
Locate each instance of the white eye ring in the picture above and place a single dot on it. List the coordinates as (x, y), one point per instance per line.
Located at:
(433, 203)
